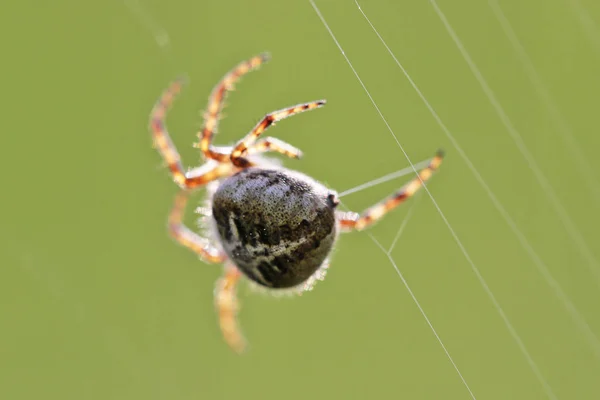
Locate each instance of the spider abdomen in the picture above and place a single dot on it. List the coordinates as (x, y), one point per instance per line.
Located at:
(277, 226)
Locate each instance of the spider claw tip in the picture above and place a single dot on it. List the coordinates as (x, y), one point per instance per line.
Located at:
(182, 79)
(265, 56)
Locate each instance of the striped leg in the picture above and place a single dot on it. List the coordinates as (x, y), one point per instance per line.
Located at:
(227, 307)
(160, 135)
(243, 145)
(216, 102)
(168, 151)
(262, 146)
(276, 145)
(350, 220)
(189, 238)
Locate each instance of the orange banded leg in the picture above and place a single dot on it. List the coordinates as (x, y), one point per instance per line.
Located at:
(216, 102)
(350, 220)
(262, 146)
(168, 151)
(243, 145)
(276, 145)
(227, 307)
(189, 238)
(160, 135)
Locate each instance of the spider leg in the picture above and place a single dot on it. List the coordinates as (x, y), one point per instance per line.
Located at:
(189, 238)
(227, 307)
(276, 145)
(245, 143)
(351, 220)
(216, 102)
(168, 151)
(262, 146)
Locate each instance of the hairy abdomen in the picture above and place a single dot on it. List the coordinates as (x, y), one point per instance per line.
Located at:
(277, 226)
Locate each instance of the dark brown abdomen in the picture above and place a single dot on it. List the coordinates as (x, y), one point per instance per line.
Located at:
(277, 226)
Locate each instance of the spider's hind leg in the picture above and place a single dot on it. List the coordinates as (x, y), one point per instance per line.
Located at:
(189, 238)
(227, 306)
(351, 220)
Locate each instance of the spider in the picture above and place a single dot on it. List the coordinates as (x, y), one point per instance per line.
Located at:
(273, 226)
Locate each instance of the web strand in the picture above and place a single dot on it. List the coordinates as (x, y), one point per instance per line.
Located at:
(583, 165)
(474, 268)
(411, 293)
(383, 179)
(589, 26)
(159, 34)
(540, 265)
(414, 298)
(459, 243)
(561, 212)
(402, 227)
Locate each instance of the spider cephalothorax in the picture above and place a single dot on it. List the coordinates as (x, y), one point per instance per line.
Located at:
(273, 225)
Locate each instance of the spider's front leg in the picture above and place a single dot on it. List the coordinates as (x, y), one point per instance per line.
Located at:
(351, 220)
(216, 102)
(262, 146)
(245, 145)
(169, 152)
(276, 145)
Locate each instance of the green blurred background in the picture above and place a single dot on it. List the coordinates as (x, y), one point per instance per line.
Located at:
(96, 302)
